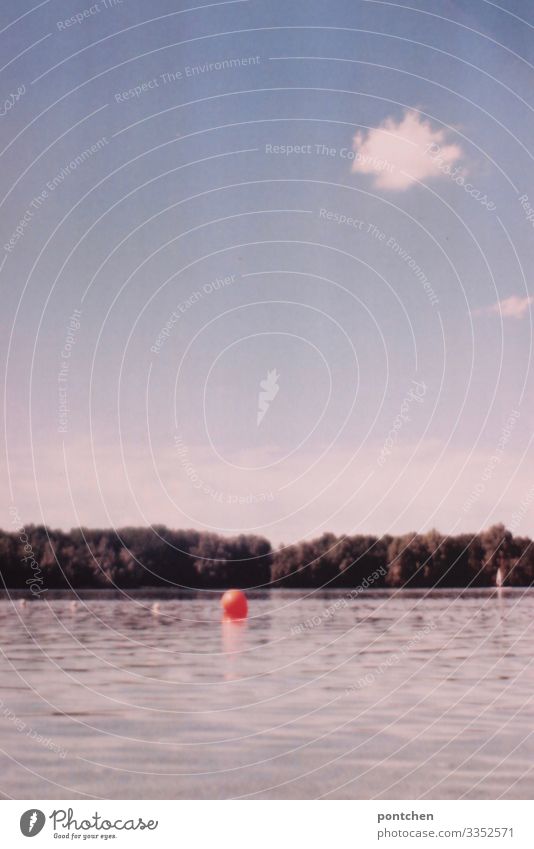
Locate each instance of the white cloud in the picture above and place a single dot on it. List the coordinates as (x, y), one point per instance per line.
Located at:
(416, 489)
(398, 153)
(512, 307)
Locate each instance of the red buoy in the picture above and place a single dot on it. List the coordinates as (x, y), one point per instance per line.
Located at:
(234, 604)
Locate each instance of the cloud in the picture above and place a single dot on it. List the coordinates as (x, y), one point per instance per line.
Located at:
(365, 497)
(399, 153)
(512, 307)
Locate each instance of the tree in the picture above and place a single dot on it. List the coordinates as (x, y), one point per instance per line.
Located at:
(409, 561)
(499, 551)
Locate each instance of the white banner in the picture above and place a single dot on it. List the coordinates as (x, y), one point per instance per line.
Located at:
(264, 825)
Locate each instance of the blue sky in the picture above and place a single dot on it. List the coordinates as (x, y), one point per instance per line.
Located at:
(333, 194)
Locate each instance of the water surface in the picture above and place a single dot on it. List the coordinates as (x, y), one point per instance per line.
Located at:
(404, 694)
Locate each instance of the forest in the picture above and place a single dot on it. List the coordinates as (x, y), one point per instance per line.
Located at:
(36, 558)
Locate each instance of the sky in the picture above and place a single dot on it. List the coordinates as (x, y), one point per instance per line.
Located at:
(265, 267)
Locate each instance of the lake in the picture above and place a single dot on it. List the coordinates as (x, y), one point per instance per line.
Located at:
(389, 694)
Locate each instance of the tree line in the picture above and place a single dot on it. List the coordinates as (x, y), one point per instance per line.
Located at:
(159, 557)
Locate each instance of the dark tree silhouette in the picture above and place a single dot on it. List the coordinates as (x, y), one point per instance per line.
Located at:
(160, 557)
